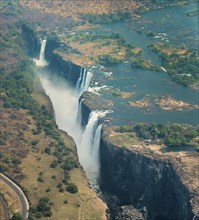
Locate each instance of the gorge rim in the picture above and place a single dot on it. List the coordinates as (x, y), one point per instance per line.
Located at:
(115, 172)
(67, 110)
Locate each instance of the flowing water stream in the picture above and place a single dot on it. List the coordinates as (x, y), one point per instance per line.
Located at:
(140, 83)
(169, 25)
(67, 108)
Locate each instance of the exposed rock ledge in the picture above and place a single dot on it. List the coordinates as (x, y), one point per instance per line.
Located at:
(165, 103)
(160, 184)
(93, 102)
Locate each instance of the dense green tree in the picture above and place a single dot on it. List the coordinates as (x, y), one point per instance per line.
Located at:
(72, 188)
(16, 216)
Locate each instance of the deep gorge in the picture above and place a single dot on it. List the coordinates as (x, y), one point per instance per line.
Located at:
(149, 184)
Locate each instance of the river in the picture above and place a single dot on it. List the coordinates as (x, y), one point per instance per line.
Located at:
(145, 83)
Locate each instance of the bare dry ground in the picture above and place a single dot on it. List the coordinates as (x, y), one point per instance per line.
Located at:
(11, 198)
(3, 209)
(71, 8)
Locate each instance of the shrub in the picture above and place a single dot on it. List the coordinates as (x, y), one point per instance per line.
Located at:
(48, 213)
(48, 190)
(40, 179)
(16, 216)
(44, 199)
(53, 164)
(59, 185)
(34, 143)
(65, 201)
(47, 150)
(61, 190)
(69, 164)
(16, 161)
(72, 188)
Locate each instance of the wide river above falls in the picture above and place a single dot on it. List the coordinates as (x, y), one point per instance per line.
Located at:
(145, 84)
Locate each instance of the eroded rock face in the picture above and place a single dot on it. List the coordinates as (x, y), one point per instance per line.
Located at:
(65, 68)
(146, 182)
(93, 102)
(51, 45)
(30, 40)
(129, 212)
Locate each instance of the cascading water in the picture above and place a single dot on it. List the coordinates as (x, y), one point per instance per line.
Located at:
(41, 62)
(89, 148)
(78, 84)
(87, 79)
(83, 81)
(65, 103)
(79, 112)
(68, 116)
(95, 157)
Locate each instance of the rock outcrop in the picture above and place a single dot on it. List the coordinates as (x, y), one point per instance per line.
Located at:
(65, 68)
(93, 102)
(145, 180)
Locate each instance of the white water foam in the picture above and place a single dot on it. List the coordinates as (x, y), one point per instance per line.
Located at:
(41, 62)
(83, 81)
(68, 118)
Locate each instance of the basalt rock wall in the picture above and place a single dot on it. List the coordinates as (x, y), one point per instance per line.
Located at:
(49, 51)
(30, 43)
(147, 183)
(64, 68)
(57, 64)
(85, 114)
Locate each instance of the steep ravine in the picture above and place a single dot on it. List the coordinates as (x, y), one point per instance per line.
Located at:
(135, 186)
(149, 183)
(130, 178)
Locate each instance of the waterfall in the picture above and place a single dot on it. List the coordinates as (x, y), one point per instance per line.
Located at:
(66, 105)
(77, 86)
(83, 81)
(87, 140)
(95, 156)
(42, 50)
(87, 81)
(41, 62)
(88, 150)
(79, 112)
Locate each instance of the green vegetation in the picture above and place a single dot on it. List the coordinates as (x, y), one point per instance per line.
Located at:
(108, 60)
(143, 64)
(40, 179)
(16, 216)
(84, 37)
(172, 135)
(43, 209)
(180, 63)
(106, 18)
(72, 188)
(193, 13)
(26, 116)
(155, 4)
(125, 128)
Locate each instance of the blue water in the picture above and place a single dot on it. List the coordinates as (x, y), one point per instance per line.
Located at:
(152, 84)
(174, 21)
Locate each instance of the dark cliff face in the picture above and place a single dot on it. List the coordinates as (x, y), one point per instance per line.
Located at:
(30, 41)
(85, 114)
(93, 102)
(50, 46)
(65, 69)
(145, 183)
